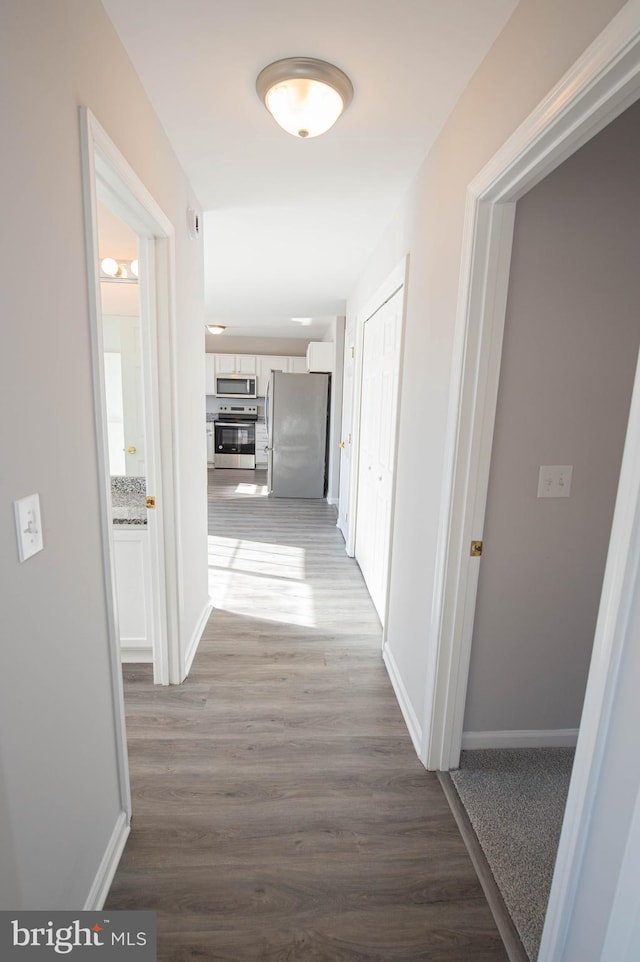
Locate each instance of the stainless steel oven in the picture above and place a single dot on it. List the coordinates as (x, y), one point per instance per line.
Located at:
(235, 436)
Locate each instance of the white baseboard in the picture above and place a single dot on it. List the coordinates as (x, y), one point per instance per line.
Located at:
(547, 738)
(333, 500)
(135, 653)
(196, 636)
(409, 715)
(108, 865)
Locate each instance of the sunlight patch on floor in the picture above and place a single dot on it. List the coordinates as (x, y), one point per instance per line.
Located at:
(261, 580)
(252, 489)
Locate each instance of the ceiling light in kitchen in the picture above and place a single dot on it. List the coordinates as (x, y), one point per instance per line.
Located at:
(215, 328)
(304, 95)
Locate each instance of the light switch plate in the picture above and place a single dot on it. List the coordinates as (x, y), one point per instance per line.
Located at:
(28, 526)
(554, 480)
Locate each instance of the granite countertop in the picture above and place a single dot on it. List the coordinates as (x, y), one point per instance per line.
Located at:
(128, 500)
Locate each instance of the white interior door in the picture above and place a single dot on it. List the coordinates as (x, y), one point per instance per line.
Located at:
(376, 459)
(133, 396)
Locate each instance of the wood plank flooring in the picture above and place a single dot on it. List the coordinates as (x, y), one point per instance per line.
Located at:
(280, 811)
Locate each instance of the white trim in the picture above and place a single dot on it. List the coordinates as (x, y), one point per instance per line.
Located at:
(196, 637)
(411, 719)
(559, 738)
(131, 654)
(602, 83)
(333, 500)
(108, 865)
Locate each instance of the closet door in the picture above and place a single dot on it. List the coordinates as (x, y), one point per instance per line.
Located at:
(376, 462)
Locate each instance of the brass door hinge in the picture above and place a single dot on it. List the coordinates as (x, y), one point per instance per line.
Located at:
(476, 549)
(151, 501)
(353, 352)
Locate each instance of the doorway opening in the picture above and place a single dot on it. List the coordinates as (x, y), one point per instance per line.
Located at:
(598, 88)
(571, 340)
(133, 382)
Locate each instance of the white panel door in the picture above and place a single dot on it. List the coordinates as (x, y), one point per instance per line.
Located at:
(133, 397)
(347, 428)
(376, 461)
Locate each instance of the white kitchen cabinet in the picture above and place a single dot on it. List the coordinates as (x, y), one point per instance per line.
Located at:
(210, 373)
(225, 364)
(132, 563)
(320, 356)
(235, 363)
(297, 365)
(261, 365)
(261, 444)
(211, 443)
(265, 364)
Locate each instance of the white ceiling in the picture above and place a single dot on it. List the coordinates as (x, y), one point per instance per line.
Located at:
(289, 223)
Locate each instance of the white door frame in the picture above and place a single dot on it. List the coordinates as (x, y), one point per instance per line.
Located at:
(108, 176)
(396, 281)
(600, 86)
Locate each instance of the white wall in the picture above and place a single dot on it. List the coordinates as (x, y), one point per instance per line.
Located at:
(568, 364)
(539, 43)
(60, 787)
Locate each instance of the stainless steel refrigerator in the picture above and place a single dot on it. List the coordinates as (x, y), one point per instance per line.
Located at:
(296, 414)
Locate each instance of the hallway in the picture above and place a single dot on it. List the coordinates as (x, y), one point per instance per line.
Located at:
(280, 811)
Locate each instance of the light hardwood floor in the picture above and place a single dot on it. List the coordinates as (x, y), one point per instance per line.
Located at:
(280, 811)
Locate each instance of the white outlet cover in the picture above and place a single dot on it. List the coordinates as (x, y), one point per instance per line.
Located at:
(28, 526)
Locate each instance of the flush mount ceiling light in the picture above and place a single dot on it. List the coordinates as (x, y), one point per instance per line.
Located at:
(305, 96)
(215, 328)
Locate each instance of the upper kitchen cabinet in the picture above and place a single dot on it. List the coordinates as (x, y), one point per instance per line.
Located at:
(297, 365)
(265, 364)
(320, 356)
(210, 373)
(235, 363)
(261, 365)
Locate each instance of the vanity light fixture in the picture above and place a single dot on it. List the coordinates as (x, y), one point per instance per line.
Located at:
(215, 328)
(304, 95)
(120, 271)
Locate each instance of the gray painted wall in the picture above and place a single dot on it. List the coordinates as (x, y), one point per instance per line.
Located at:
(571, 341)
(282, 346)
(59, 797)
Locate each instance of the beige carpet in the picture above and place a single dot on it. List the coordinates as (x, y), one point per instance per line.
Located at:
(515, 799)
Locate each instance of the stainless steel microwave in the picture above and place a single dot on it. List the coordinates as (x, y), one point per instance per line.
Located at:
(236, 385)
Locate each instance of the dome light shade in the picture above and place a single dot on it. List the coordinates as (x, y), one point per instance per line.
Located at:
(215, 328)
(305, 96)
